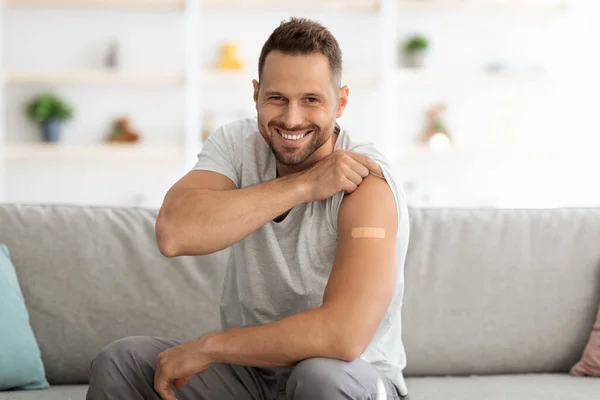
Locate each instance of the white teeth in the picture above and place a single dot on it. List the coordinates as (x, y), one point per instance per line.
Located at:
(292, 137)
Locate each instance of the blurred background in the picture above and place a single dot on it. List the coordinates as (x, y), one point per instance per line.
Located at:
(478, 103)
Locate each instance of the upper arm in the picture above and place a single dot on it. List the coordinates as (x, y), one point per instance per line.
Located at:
(363, 277)
(201, 179)
(218, 165)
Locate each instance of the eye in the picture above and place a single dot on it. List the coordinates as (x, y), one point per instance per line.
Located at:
(312, 99)
(276, 98)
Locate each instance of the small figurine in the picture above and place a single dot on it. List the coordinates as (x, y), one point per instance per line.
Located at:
(436, 134)
(112, 57)
(121, 132)
(229, 58)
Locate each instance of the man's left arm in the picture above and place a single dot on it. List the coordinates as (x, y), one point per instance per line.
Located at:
(358, 292)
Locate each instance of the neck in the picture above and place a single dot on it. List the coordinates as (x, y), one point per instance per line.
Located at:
(322, 152)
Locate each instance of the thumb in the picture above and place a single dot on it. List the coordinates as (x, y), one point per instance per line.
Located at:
(180, 382)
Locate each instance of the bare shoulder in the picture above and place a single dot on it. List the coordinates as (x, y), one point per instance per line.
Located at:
(372, 203)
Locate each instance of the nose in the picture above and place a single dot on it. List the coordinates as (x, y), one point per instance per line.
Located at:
(292, 116)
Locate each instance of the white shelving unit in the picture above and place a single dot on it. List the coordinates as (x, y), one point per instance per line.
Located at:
(507, 80)
(332, 5)
(120, 4)
(108, 152)
(192, 78)
(107, 77)
(92, 77)
(489, 6)
(180, 4)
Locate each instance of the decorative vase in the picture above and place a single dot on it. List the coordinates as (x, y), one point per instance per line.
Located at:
(51, 130)
(415, 59)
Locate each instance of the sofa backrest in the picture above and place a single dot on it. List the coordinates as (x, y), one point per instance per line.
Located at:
(496, 291)
(486, 291)
(91, 275)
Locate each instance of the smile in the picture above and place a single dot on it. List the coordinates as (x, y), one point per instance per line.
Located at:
(292, 137)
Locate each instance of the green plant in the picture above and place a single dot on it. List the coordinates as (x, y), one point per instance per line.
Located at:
(415, 43)
(47, 106)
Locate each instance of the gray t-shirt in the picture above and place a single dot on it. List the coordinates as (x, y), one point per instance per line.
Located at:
(282, 268)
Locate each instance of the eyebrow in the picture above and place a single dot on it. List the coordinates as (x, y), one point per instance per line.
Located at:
(314, 94)
(308, 94)
(272, 93)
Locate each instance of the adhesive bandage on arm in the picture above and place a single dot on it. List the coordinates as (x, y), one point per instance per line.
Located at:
(368, 232)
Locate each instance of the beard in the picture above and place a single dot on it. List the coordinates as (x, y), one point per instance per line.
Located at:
(290, 156)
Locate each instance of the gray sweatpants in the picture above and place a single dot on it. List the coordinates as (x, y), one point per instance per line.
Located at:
(125, 370)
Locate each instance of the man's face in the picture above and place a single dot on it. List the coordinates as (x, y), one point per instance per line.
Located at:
(297, 105)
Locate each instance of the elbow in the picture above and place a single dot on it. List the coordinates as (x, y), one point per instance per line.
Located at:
(173, 243)
(168, 248)
(345, 340)
(167, 244)
(349, 344)
(351, 350)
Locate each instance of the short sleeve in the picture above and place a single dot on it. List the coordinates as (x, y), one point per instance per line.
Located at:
(219, 155)
(334, 203)
(333, 207)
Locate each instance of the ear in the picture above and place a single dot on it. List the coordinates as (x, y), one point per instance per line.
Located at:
(256, 86)
(342, 101)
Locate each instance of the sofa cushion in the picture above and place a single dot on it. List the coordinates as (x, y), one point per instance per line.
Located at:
(589, 365)
(486, 291)
(21, 364)
(500, 291)
(59, 392)
(505, 387)
(92, 275)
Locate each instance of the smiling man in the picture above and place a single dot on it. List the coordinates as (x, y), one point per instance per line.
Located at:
(318, 230)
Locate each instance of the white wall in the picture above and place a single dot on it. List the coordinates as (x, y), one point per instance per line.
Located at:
(549, 128)
(555, 117)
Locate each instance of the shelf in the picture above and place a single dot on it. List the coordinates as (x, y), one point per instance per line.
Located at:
(236, 78)
(491, 6)
(107, 77)
(215, 4)
(131, 4)
(425, 77)
(338, 5)
(37, 152)
(415, 153)
(418, 154)
(99, 76)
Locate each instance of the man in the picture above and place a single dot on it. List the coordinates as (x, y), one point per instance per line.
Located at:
(318, 231)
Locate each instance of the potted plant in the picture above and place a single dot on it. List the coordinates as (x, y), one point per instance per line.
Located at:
(414, 49)
(49, 111)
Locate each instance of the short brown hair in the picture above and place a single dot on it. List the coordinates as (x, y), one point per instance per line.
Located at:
(301, 36)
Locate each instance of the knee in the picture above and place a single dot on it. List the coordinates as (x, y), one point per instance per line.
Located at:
(118, 356)
(317, 379)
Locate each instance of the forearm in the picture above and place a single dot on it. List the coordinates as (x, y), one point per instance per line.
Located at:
(203, 221)
(309, 334)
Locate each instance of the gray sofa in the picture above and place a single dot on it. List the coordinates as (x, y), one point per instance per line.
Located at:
(499, 304)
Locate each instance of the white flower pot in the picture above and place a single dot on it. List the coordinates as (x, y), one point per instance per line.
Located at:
(415, 59)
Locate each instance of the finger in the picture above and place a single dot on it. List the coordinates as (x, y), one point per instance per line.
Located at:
(166, 392)
(349, 187)
(181, 382)
(359, 168)
(354, 177)
(157, 374)
(367, 162)
(162, 384)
